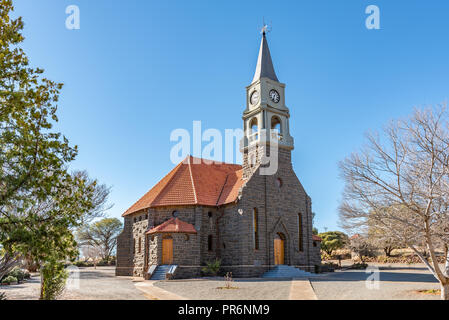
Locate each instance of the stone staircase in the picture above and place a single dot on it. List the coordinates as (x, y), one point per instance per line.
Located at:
(160, 272)
(283, 271)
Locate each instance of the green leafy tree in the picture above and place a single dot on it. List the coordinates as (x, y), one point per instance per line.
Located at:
(332, 240)
(32, 156)
(40, 202)
(102, 234)
(48, 239)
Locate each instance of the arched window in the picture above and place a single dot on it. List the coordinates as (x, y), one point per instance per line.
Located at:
(175, 214)
(300, 241)
(276, 124)
(140, 245)
(252, 160)
(209, 243)
(253, 126)
(256, 229)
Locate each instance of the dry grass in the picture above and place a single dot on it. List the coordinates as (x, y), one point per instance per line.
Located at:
(431, 291)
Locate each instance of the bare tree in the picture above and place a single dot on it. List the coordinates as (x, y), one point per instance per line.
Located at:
(92, 252)
(102, 234)
(7, 262)
(99, 199)
(361, 247)
(400, 180)
(378, 237)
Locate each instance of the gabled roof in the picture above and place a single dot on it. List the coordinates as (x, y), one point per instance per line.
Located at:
(264, 68)
(316, 238)
(174, 225)
(194, 181)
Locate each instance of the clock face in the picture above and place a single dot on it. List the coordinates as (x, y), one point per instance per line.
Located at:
(255, 97)
(274, 96)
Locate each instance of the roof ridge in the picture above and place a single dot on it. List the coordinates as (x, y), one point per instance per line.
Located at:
(193, 182)
(222, 188)
(175, 169)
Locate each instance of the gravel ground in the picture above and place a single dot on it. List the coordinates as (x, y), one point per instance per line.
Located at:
(246, 289)
(94, 284)
(396, 282)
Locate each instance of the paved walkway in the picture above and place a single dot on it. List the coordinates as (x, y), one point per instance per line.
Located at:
(302, 290)
(155, 293)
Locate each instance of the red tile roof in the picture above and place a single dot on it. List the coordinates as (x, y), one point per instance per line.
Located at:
(316, 238)
(174, 225)
(194, 182)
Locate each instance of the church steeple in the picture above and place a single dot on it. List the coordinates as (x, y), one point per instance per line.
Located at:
(266, 117)
(264, 67)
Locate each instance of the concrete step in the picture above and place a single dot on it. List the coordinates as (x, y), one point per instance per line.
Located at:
(283, 271)
(160, 272)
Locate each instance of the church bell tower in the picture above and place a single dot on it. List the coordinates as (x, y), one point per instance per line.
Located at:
(266, 117)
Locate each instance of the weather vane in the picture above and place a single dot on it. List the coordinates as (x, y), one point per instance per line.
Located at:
(266, 28)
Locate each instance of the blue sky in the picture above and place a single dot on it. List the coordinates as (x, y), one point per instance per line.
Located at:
(136, 70)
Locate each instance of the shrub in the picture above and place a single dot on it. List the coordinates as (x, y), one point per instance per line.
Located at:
(27, 274)
(104, 262)
(80, 264)
(9, 279)
(212, 268)
(229, 281)
(329, 267)
(360, 265)
(19, 274)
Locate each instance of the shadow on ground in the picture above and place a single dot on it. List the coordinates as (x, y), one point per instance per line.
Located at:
(383, 276)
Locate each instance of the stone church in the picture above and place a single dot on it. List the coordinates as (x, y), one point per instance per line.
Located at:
(249, 218)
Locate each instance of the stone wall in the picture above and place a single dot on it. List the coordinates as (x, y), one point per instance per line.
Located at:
(278, 213)
(139, 243)
(124, 263)
(130, 260)
(186, 249)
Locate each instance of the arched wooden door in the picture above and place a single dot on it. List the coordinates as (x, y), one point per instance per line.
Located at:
(279, 249)
(167, 250)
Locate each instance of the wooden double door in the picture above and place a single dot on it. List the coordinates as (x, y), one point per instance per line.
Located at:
(279, 249)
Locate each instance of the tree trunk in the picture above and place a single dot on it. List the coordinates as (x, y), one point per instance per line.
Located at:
(41, 289)
(445, 291)
(446, 265)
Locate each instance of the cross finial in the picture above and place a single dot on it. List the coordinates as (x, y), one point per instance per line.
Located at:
(266, 28)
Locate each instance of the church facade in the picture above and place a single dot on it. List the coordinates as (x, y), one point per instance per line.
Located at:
(251, 217)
